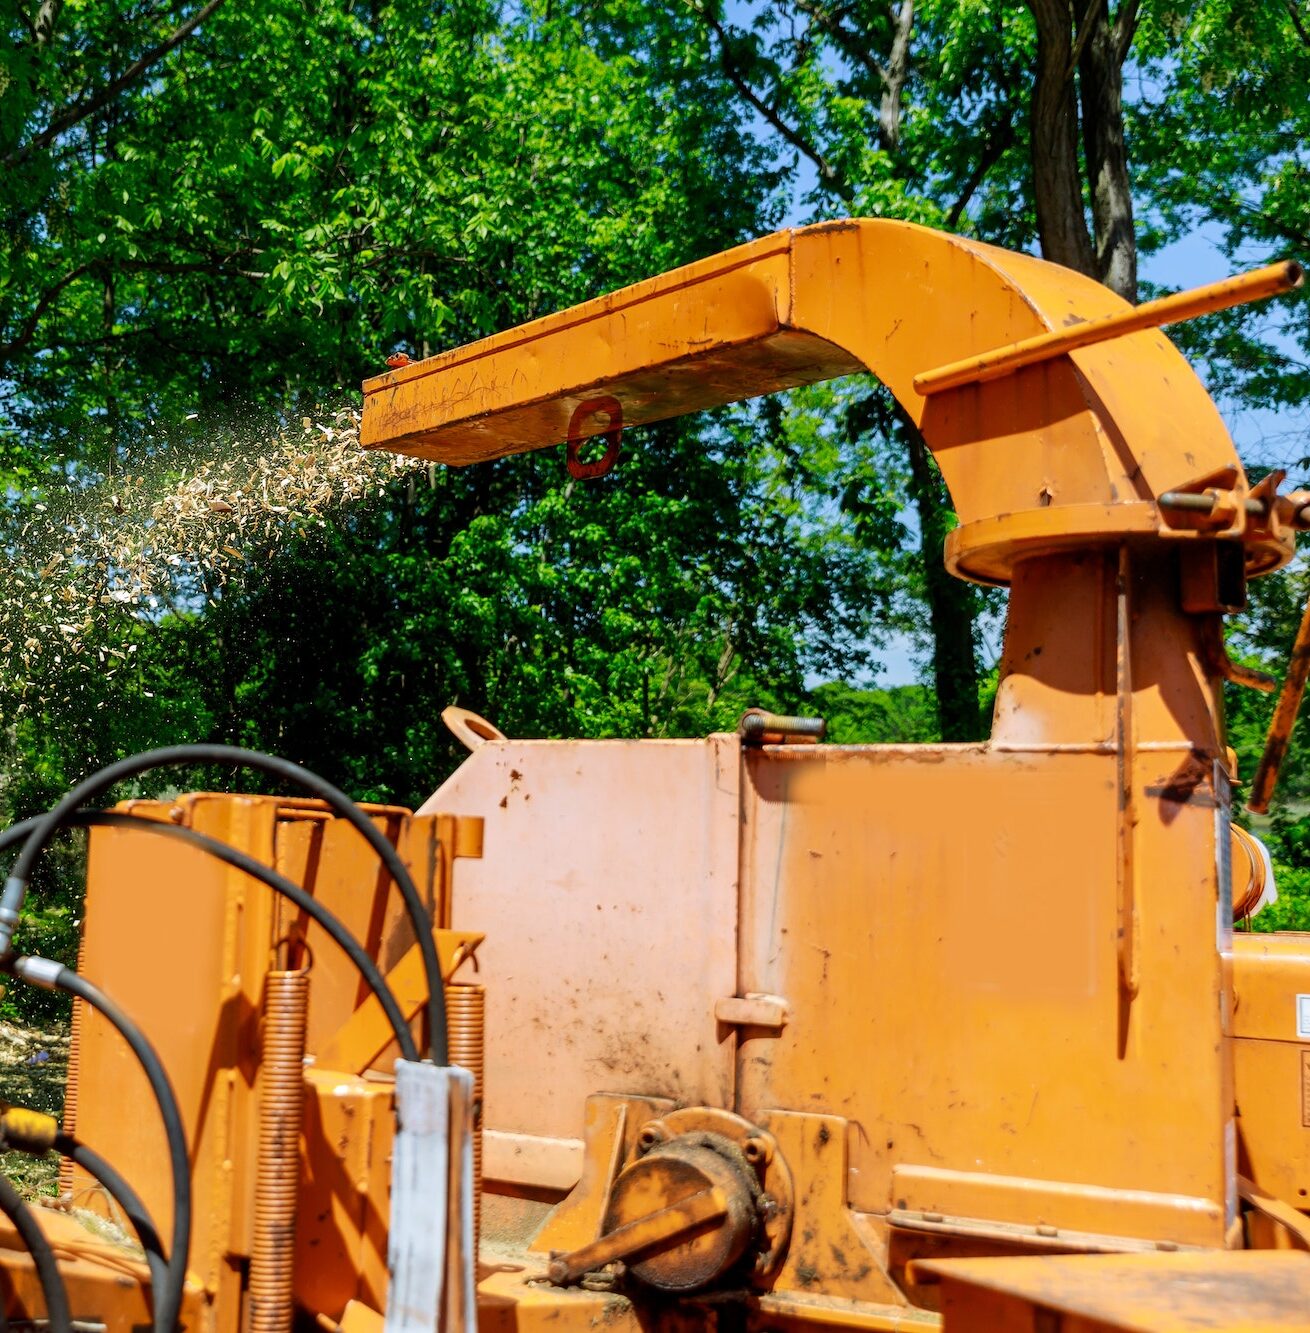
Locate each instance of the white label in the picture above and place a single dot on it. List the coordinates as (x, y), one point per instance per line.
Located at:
(1303, 1017)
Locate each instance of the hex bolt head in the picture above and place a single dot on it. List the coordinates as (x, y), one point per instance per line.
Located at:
(757, 1151)
(651, 1133)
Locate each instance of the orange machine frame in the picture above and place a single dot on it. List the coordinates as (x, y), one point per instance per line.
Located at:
(1035, 1046)
(973, 1015)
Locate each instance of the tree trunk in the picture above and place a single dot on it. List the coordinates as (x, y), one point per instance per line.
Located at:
(1057, 181)
(47, 15)
(950, 603)
(898, 66)
(1100, 87)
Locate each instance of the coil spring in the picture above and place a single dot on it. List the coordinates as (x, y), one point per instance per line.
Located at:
(281, 1110)
(68, 1120)
(466, 1022)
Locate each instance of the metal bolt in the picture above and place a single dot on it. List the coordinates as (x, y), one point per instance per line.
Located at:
(1204, 502)
(1045, 1229)
(758, 727)
(651, 1133)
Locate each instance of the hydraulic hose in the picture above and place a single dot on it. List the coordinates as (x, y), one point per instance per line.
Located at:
(54, 976)
(113, 1182)
(43, 830)
(36, 1133)
(279, 883)
(17, 832)
(128, 1201)
(43, 1257)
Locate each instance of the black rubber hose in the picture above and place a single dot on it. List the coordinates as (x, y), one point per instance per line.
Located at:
(289, 889)
(280, 884)
(43, 1257)
(17, 832)
(128, 1201)
(41, 972)
(44, 829)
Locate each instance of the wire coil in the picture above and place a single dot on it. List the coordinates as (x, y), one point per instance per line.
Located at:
(466, 1019)
(281, 1112)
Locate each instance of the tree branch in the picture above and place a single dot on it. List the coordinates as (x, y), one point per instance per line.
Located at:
(998, 140)
(829, 175)
(1276, 225)
(1084, 32)
(85, 108)
(105, 266)
(847, 40)
(214, 267)
(898, 65)
(1125, 27)
(104, 340)
(48, 298)
(1298, 23)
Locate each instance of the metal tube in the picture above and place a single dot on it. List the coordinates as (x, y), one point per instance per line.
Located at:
(1283, 720)
(270, 1303)
(1203, 502)
(760, 728)
(1000, 361)
(466, 1017)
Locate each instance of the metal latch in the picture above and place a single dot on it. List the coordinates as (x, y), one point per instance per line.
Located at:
(753, 1010)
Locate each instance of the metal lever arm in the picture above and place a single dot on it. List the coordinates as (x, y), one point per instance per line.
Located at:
(666, 1224)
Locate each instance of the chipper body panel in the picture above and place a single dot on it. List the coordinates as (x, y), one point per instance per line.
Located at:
(766, 1033)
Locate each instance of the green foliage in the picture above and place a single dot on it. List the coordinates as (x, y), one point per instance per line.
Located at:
(663, 600)
(1292, 910)
(298, 191)
(949, 151)
(308, 189)
(249, 227)
(1224, 121)
(1287, 835)
(291, 194)
(905, 715)
(1263, 637)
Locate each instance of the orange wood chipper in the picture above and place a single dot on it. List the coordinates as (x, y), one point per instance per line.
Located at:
(749, 1031)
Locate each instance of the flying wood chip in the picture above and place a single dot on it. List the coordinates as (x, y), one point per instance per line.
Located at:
(94, 564)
